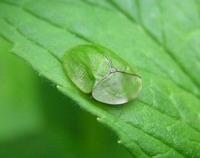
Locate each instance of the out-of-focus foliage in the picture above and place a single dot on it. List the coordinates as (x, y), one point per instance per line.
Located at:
(37, 121)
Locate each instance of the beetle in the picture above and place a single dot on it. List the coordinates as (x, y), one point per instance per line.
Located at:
(97, 70)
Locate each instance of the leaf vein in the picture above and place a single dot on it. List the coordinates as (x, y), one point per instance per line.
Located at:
(158, 139)
(80, 36)
(170, 54)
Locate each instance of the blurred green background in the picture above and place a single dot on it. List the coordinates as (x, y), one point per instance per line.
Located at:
(37, 121)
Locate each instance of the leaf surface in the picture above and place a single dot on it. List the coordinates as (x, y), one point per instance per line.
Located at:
(160, 39)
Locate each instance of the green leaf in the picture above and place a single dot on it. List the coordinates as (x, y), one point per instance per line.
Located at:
(27, 116)
(161, 39)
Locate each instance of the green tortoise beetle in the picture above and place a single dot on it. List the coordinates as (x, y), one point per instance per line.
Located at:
(97, 70)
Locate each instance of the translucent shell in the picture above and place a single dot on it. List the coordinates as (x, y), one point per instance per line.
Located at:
(97, 70)
(117, 88)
